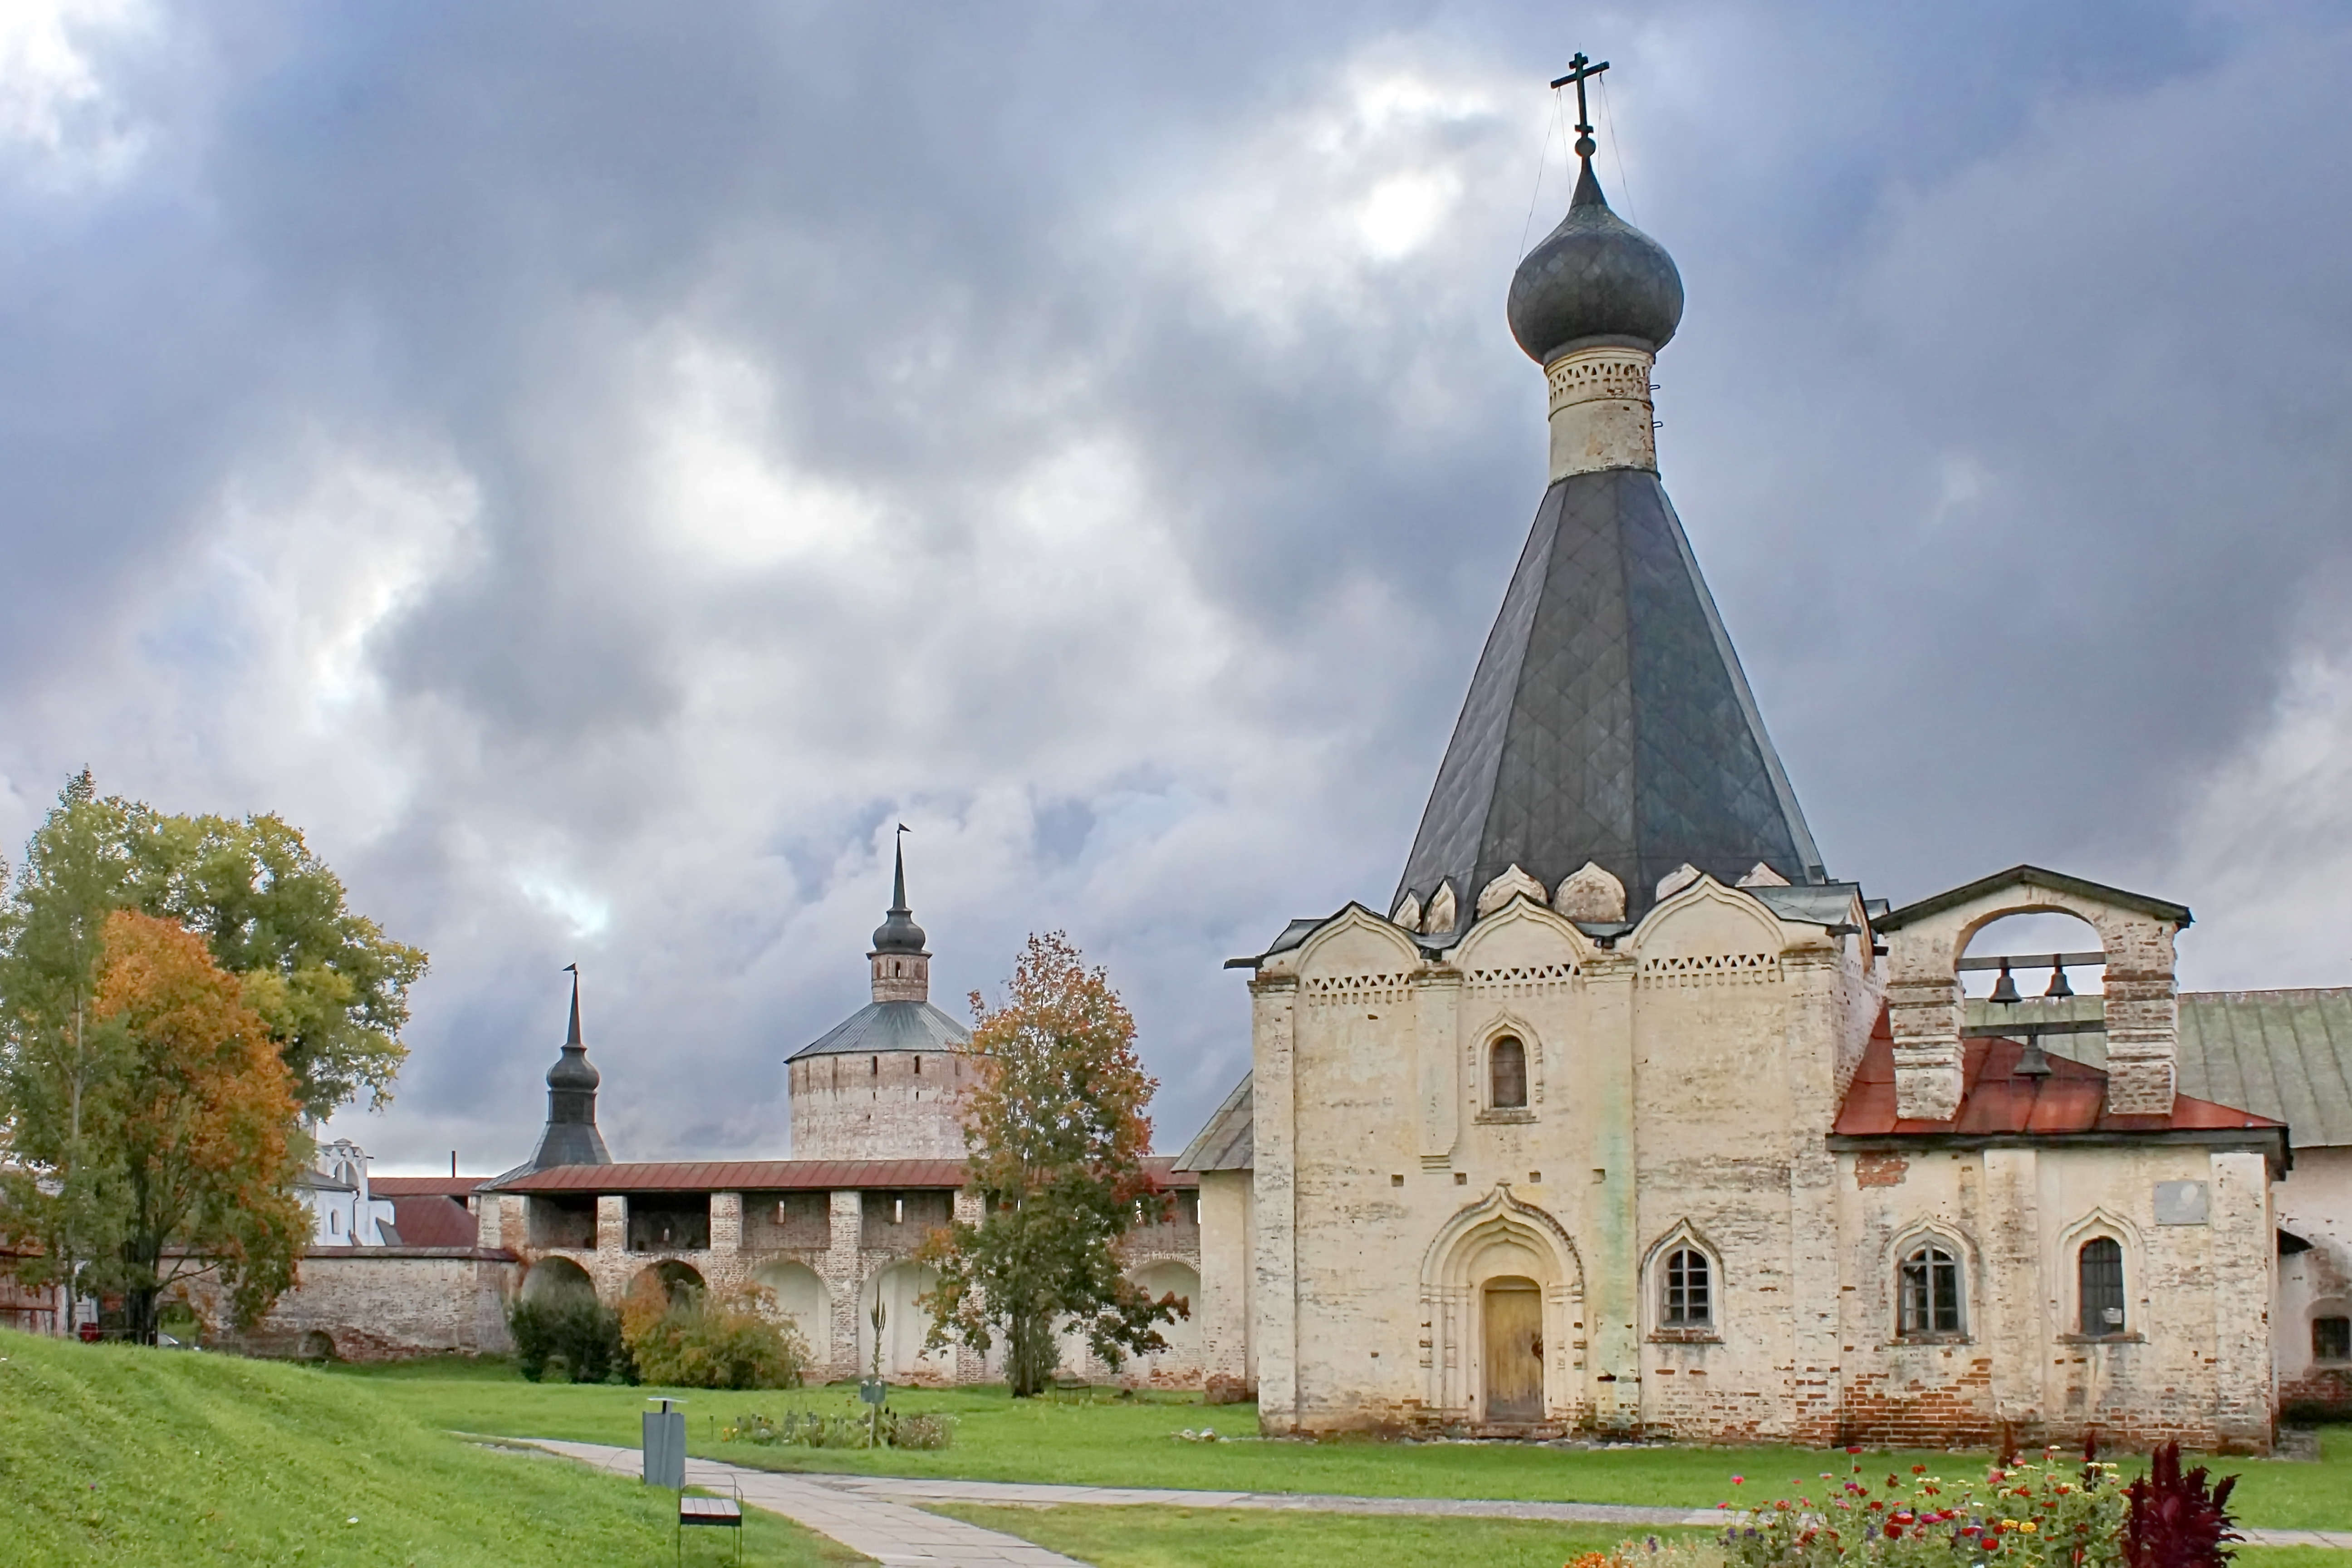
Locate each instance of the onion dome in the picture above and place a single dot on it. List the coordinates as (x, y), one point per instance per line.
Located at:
(1594, 277)
(898, 932)
(571, 1069)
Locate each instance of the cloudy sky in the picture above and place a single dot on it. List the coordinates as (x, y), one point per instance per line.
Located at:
(597, 467)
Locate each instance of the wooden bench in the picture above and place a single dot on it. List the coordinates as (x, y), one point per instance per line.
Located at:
(726, 1514)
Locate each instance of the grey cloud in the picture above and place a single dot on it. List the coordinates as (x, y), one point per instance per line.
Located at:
(816, 417)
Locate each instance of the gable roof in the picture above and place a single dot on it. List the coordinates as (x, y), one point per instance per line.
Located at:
(1229, 1139)
(1608, 719)
(2034, 877)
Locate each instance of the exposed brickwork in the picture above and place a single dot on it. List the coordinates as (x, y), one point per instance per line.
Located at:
(1879, 1170)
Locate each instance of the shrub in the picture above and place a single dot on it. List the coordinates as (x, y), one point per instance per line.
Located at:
(2177, 1518)
(572, 1338)
(693, 1339)
(2043, 1515)
(851, 1428)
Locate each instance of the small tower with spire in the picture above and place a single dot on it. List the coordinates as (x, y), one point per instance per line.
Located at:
(571, 1138)
(902, 969)
(889, 1081)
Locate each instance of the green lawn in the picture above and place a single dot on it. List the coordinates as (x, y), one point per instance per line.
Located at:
(1219, 1538)
(114, 1454)
(1130, 1443)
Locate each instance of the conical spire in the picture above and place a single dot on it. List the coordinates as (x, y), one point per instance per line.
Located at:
(899, 933)
(571, 1138)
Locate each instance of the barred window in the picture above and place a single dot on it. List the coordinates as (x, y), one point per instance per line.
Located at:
(1689, 1296)
(2099, 1269)
(2331, 1339)
(1507, 1067)
(1930, 1291)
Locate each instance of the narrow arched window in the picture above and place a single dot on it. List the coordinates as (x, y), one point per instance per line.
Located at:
(1689, 1301)
(1506, 1069)
(1930, 1291)
(2099, 1270)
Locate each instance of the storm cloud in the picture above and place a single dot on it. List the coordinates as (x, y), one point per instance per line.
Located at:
(598, 468)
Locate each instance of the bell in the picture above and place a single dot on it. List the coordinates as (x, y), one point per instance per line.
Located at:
(2030, 1062)
(2058, 986)
(2005, 988)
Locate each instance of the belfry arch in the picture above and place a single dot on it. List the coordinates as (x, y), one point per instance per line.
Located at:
(1498, 1245)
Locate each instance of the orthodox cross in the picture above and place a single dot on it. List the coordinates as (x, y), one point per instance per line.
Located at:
(1579, 71)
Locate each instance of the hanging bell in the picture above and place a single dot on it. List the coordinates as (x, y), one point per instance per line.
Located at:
(2058, 986)
(2030, 1061)
(2005, 988)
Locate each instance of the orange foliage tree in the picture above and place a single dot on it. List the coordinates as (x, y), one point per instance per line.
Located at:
(1056, 1136)
(196, 1129)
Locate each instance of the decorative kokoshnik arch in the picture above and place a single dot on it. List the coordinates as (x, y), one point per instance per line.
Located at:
(1497, 1237)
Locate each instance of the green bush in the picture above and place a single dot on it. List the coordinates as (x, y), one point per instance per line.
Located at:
(852, 1428)
(701, 1341)
(569, 1338)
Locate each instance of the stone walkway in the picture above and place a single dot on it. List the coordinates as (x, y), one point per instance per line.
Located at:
(890, 1532)
(876, 1514)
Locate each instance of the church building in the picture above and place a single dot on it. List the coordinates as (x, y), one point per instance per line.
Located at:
(1623, 1113)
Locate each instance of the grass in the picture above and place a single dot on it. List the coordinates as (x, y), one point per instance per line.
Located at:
(1225, 1538)
(1129, 1442)
(116, 1455)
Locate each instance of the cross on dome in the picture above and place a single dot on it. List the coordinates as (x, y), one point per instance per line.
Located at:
(1581, 70)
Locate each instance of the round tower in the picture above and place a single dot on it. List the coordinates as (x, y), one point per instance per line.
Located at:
(889, 1081)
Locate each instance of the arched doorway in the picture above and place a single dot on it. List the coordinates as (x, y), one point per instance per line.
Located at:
(804, 1302)
(1511, 1314)
(1501, 1283)
(557, 1278)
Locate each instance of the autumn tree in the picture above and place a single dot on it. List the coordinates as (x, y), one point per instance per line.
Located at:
(330, 988)
(188, 1142)
(1056, 1137)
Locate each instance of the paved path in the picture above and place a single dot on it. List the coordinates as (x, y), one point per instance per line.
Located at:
(876, 1514)
(890, 1532)
(1017, 1494)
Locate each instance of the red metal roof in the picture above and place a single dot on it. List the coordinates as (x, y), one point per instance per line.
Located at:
(1995, 1102)
(431, 1220)
(424, 1186)
(771, 1175)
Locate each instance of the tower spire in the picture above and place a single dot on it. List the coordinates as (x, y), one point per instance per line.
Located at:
(573, 1037)
(902, 969)
(571, 1138)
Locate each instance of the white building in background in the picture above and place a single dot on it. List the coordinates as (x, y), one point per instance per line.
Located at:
(342, 1211)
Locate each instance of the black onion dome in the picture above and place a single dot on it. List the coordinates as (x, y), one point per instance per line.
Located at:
(1595, 276)
(573, 1071)
(900, 934)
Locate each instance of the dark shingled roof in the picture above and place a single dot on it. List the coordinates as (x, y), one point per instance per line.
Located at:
(1229, 1141)
(889, 1027)
(1608, 719)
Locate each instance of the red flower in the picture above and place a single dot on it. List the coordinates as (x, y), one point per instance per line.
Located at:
(1893, 1532)
(1857, 1448)
(1919, 1469)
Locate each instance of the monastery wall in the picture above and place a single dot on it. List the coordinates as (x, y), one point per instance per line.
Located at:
(375, 1304)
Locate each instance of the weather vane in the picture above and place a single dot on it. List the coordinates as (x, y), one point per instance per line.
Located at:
(1579, 71)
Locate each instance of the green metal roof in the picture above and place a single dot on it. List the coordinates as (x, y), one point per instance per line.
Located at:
(2281, 1054)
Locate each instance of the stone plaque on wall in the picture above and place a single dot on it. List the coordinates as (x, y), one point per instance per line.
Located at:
(2181, 1203)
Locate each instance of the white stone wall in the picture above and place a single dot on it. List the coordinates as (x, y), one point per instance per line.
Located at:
(1682, 1086)
(2315, 1203)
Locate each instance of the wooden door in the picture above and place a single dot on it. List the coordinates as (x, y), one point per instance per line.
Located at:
(1514, 1351)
